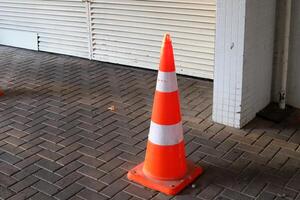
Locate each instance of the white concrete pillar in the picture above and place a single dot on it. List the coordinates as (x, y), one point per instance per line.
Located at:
(244, 57)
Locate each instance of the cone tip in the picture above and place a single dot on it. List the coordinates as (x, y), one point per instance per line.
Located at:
(167, 38)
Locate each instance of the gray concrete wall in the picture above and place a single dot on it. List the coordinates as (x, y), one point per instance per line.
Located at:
(293, 90)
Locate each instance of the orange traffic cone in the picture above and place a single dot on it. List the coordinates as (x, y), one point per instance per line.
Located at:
(165, 168)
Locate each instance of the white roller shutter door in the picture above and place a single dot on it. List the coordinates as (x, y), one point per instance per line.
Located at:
(60, 24)
(129, 32)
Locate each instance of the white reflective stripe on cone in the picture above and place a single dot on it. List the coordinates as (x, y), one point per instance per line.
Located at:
(166, 82)
(165, 134)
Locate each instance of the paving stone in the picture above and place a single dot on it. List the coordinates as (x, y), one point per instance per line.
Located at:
(89, 143)
(69, 158)
(281, 191)
(8, 158)
(266, 196)
(5, 193)
(255, 187)
(69, 192)
(68, 180)
(90, 172)
(45, 187)
(41, 196)
(88, 194)
(49, 155)
(222, 198)
(26, 172)
(235, 195)
(11, 149)
(294, 183)
(76, 198)
(57, 136)
(70, 149)
(107, 156)
(233, 154)
(87, 151)
(14, 141)
(20, 185)
(6, 181)
(191, 147)
(114, 188)
(113, 176)
(210, 192)
(139, 192)
(8, 169)
(91, 184)
(48, 165)
(110, 145)
(47, 176)
(25, 194)
(122, 196)
(71, 167)
(90, 161)
(205, 142)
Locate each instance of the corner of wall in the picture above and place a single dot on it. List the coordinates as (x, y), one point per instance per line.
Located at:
(244, 60)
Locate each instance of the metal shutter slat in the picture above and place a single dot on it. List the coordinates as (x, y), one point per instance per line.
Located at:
(129, 32)
(60, 24)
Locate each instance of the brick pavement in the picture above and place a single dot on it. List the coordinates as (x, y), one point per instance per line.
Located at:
(71, 128)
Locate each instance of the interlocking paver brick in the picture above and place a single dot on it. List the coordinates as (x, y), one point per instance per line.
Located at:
(91, 184)
(113, 176)
(8, 169)
(59, 137)
(88, 194)
(50, 146)
(25, 172)
(108, 146)
(70, 149)
(69, 158)
(107, 156)
(129, 149)
(294, 183)
(6, 181)
(25, 194)
(47, 176)
(139, 192)
(90, 172)
(114, 188)
(67, 169)
(255, 187)
(69, 191)
(49, 155)
(210, 192)
(122, 196)
(280, 191)
(45, 187)
(48, 165)
(266, 196)
(39, 196)
(20, 185)
(9, 158)
(5, 193)
(68, 180)
(90, 161)
(112, 164)
(235, 195)
(89, 143)
(87, 151)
